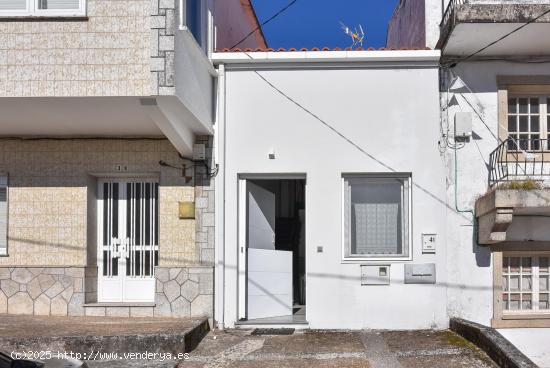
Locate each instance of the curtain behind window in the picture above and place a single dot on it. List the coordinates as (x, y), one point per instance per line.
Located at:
(376, 228)
(13, 4)
(58, 4)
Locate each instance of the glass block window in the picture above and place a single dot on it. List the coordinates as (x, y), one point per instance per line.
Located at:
(525, 283)
(376, 216)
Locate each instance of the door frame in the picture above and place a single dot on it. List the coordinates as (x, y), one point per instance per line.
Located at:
(242, 230)
(122, 218)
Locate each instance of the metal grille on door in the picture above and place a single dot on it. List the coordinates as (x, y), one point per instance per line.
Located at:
(129, 239)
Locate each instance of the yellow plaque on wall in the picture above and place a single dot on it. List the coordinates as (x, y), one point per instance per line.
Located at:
(187, 210)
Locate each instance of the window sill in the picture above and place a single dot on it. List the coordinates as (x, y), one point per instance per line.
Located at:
(376, 259)
(522, 321)
(526, 316)
(44, 18)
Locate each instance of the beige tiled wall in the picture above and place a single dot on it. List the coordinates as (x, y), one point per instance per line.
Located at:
(48, 205)
(106, 55)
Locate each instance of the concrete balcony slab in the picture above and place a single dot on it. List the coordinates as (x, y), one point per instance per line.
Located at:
(512, 216)
(469, 25)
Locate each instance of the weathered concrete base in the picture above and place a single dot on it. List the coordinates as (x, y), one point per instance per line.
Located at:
(102, 335)
(493, 343)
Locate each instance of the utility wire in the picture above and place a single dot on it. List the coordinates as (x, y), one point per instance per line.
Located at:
(455, 63)
(264, 23)
(323, 122)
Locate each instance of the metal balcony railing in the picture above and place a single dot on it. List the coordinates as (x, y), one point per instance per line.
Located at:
(449, 12)
(520, 159)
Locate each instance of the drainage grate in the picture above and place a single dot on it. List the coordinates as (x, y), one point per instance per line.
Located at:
(272, 331)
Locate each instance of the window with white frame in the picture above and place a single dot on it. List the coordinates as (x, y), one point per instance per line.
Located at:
(42, 7)
(528, 123)
(376, 216)
(525, 284)
(3, 214)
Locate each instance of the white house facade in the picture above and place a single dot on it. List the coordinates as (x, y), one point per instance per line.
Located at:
(313, 146)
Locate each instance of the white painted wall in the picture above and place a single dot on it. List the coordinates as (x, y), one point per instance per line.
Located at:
(392, 113)
(533, 342)
(195, 78)
(469, 266)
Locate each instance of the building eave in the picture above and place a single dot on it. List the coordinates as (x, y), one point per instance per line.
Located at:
(308, 57)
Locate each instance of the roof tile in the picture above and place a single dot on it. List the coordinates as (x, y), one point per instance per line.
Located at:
(294, 49)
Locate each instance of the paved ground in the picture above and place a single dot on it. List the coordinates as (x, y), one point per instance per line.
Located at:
(238, 348)
(369, 349)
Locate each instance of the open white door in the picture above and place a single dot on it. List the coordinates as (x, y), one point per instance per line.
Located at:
(268, 272)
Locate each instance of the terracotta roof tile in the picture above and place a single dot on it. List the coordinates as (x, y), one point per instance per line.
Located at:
(293, 49)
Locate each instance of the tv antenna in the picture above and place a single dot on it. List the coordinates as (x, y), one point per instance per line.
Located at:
(357, 36)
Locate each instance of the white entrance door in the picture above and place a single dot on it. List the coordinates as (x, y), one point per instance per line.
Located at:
(265, 273)
(127, 240)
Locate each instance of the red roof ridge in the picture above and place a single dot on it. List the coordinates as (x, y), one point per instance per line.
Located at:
(294, 49)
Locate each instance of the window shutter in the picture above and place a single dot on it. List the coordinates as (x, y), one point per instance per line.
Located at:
(3, 214)
(13, 4)
(58, 4)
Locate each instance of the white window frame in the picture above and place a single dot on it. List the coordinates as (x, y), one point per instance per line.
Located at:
(535, 291)
(32, 10)
(4, 183)
(543, 114)
(374, 258)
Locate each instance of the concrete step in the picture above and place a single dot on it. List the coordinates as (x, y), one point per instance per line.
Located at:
(90, 337)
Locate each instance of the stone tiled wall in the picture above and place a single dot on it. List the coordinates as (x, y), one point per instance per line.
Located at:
(163, 28)
(184, 292)
(42, 291)
(48, 198)
(106, 55)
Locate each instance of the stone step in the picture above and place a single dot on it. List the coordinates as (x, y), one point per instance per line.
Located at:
(101, 335)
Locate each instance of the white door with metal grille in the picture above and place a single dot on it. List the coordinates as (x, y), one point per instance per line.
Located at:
(127, 240)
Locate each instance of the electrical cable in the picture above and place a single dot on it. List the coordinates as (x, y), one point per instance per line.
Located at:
(264, 23)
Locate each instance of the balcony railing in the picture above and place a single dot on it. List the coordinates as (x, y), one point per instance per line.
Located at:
(520, 159)
(449, 12)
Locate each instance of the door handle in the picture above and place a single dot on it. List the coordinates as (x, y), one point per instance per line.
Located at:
(115, 244)
(126, 247)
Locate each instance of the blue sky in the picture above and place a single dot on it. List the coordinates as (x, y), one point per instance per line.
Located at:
(315, 23)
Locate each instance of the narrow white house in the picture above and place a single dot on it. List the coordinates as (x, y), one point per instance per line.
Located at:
(331, 202)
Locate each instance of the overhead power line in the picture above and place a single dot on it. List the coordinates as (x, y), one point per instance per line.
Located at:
(455, 63)
(264, 23)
